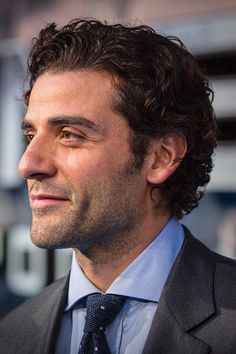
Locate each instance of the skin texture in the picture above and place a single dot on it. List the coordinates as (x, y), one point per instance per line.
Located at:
(83, 189)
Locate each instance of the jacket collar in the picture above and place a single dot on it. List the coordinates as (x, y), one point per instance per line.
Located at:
(186, 301)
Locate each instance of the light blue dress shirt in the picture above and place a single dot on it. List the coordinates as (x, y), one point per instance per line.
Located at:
(141, 282)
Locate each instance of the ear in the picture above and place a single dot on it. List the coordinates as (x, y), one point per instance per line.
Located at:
(165, 157)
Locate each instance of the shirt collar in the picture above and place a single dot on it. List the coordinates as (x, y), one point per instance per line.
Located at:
(144, 278)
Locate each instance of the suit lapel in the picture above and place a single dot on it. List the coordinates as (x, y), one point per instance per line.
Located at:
(186, 302)
(46, 320)
(48, 317)
(167, 336)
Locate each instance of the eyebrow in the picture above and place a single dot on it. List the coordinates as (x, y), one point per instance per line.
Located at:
(66, 120)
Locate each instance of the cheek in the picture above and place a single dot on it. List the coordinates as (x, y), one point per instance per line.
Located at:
(82, 165)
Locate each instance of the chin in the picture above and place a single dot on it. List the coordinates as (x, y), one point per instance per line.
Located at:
(47, 243)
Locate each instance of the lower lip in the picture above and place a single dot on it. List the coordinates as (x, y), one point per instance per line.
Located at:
(42, 203)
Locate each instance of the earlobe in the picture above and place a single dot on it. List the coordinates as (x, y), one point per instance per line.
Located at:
(165, 157)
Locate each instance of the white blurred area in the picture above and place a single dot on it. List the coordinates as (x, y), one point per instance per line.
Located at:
(207, 28)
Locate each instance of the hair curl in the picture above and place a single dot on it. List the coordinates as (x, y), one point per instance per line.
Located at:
(161, 89)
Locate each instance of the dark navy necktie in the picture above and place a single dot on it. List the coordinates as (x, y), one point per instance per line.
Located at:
(101, 311)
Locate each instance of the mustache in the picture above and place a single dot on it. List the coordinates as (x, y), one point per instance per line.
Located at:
(46, 187)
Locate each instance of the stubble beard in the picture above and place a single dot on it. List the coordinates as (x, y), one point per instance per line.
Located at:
(101, 222)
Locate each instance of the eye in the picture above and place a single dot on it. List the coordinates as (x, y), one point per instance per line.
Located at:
(27, 137)
(68, 135)
(71, 136)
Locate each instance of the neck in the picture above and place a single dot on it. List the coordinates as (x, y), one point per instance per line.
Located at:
(106, 265)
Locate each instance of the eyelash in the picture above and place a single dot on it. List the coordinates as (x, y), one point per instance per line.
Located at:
(68, 134)
(27, 137)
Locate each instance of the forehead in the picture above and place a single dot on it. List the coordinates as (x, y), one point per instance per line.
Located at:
(84, 92)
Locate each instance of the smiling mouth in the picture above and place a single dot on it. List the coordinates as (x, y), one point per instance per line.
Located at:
(46, 200)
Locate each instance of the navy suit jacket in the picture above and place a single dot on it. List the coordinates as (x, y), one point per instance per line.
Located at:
(196, 313)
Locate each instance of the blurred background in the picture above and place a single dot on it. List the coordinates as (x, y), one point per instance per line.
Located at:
(208, 29)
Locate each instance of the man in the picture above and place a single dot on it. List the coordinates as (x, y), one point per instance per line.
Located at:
(119, 132)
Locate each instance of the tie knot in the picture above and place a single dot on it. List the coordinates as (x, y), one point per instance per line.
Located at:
(101, 311)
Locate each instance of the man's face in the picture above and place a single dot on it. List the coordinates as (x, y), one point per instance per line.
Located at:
(83, 189)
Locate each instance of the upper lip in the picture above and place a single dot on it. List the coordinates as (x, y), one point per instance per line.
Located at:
(40, 196)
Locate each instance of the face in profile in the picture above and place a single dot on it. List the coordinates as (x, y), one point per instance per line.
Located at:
(83, 189)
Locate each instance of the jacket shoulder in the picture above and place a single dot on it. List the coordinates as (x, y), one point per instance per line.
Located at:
(224, 268)
(25, 311)
(218, 329)
(225, 281)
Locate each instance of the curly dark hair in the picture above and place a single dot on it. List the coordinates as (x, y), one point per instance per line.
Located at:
(161, 90)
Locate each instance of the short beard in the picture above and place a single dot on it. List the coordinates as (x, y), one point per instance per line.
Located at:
(100, 229)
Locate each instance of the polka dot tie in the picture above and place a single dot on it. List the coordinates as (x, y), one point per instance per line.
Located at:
(101, 311)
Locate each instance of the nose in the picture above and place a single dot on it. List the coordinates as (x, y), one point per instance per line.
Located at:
(37, 161)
